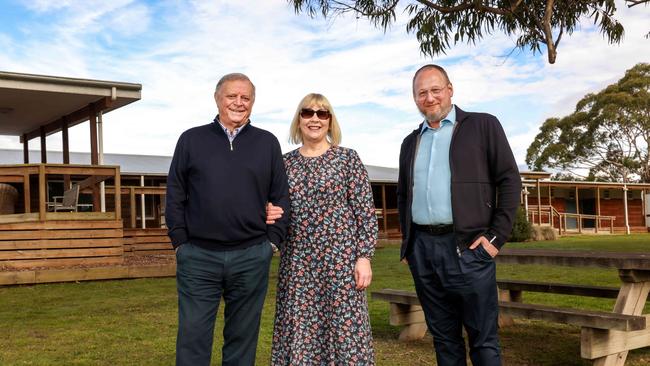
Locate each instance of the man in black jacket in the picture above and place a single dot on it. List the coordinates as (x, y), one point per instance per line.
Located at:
(458, 191)
(221, 178)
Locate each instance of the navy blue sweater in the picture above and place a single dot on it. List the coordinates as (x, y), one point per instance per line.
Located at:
(217, 192)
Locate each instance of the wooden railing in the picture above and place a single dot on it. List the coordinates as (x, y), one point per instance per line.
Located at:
(385, 230)
(580, 217)
(545, 211)
(143, 240)
(537, 214)
(132, 191)
(94, 174)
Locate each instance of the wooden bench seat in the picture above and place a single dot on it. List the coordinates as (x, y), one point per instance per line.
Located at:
(396, 296)
(558, 288)
(409, 297)
(406, 310)
(606, 346)
(582, 318)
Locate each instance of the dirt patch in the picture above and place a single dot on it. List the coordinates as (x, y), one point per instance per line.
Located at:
(129, 260)
(141, 260)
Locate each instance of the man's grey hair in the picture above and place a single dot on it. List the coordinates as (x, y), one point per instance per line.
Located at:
(232, 77)
(427, 67)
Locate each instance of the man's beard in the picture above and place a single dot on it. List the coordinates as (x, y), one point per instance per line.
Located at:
(434, 117)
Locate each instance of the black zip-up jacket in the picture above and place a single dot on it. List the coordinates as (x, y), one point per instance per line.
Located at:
(217, 191)
(485, 181)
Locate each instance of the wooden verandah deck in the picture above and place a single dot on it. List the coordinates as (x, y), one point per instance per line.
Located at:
(37, 237)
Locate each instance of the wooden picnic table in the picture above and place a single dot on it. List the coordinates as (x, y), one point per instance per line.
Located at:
(604, 346)
(606, 336)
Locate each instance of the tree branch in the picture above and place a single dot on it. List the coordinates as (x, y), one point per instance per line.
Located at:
(548, 35)
(632, 3)
(343, 7)
(471, 5)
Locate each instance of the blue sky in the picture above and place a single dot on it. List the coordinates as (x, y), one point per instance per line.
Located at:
(178, 50)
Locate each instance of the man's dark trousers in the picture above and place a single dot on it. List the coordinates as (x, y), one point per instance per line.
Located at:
(456, 290)
(203, 276)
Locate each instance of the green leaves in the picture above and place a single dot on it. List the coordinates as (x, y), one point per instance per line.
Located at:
(437, 22)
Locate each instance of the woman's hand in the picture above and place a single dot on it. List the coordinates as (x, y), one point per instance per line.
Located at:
(273, 213)
(362, 273)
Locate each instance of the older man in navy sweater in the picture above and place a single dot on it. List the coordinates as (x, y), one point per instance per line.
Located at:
(221, 178)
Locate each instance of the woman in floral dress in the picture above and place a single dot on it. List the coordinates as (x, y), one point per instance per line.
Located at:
(321, 309)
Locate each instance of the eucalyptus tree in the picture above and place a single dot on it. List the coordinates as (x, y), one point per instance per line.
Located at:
(607, 136)
(440, 24)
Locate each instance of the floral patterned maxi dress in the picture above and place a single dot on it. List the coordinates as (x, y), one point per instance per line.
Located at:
(321, 319)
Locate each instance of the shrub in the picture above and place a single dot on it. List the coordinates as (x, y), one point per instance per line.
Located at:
(522, 229)
(543, 233)
(537, 233)
(548, 233)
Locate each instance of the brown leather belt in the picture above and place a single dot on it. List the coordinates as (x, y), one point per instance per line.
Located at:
(434, 229)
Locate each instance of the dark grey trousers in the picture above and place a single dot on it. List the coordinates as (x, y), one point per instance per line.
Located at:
(202, 277)
(455, 291)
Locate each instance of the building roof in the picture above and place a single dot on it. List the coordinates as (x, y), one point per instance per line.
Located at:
(29, 101)
(380, 174)
(157, 165)
(526, 174)
(149, 164)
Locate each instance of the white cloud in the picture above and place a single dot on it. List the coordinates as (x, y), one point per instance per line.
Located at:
(42, 6)
(130, 20)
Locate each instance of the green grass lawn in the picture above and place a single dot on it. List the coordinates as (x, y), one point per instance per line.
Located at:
(133, 322)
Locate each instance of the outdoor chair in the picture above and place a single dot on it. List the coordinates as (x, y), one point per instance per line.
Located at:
(69, 201)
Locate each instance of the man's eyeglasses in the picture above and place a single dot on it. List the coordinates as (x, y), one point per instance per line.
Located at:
(309, 113)
(436, 92)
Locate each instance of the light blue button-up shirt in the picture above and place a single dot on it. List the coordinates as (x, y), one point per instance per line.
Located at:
(432, 175)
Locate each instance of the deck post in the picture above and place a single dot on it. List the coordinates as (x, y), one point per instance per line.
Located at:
(597, 208)
(67, 184)
(118, 194)
(43, 146)
(41, 192)
(627, 221)
(100, 160)
(578, 218)
(142, 205)
(25, 149)
(132, 206)
(27, 192)
(539, 203)
(94, 157)
(550, 207)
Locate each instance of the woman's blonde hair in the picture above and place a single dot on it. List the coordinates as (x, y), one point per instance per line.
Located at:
(334, 131)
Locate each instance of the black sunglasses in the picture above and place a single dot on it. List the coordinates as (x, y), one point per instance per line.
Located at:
(309, 113)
